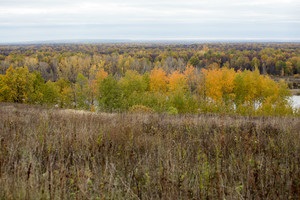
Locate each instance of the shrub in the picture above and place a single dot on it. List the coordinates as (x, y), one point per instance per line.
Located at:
(140, 109)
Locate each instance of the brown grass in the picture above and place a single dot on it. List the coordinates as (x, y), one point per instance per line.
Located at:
(65, 154)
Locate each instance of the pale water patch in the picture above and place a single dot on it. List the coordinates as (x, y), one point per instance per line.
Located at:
(295, 101)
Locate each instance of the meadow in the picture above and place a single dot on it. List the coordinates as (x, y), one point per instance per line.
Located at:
(51, 153)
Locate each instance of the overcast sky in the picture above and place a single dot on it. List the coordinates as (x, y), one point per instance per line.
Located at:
(36, 20)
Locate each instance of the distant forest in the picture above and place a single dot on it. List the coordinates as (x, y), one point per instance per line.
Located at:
(67, 60)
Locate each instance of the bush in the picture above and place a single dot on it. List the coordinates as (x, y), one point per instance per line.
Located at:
(172, 111)
(140, 109)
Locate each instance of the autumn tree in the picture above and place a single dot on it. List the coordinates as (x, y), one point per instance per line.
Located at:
(37, 93)
(177, 90)
(64, 92)
(194, 61)
(219, 84)
(158, 80)
(5, 92)
(192, 76)
(16, 85)
(51, 93)
(133, 85)
(110, 96)
(177, 82)
(81, 91)
(258, 93)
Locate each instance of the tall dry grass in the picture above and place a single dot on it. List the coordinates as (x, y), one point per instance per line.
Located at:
(65, 154)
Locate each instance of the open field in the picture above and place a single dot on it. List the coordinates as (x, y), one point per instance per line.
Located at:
(67, 154)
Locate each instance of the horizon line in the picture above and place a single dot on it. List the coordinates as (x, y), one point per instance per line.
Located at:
(141, 40)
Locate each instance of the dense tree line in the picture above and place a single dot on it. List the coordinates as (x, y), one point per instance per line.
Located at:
(67, 60)
(220, 90)
(178, 78)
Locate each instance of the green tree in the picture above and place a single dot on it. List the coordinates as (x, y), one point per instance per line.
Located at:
(36, 95)
(133, 85)
(51, 93)
(81, 91)
(110, 97)
(194, 61)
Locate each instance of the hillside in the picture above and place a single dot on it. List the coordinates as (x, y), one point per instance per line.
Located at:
(69, 154)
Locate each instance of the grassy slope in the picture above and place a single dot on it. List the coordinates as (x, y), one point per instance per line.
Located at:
(65, 154)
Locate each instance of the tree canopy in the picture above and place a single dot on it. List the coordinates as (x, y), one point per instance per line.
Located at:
(195, 78)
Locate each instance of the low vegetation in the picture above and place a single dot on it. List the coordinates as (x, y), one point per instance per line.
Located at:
(68, 154)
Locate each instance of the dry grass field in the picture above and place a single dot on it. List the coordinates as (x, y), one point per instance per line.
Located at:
(66, 154)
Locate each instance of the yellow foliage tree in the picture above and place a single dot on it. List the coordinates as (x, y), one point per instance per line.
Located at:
(177, 82)
(158, 80)
(64, 92)
(219, 84)
(4, 89)
(228, 76)
(212, 84)
(101, 75)
(94, 85)
(16, 85)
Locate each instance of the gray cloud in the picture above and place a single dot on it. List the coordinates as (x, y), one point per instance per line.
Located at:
(73, 19)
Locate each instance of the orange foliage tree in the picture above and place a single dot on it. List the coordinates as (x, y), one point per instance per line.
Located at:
(177, 82)
(158, 80)
(219, 84)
